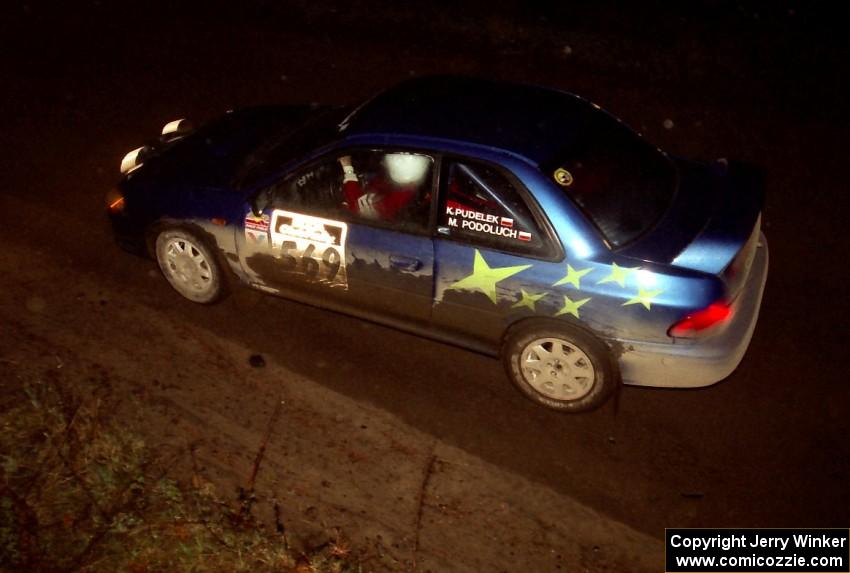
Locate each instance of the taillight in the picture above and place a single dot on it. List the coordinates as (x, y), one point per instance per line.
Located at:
(698, 323)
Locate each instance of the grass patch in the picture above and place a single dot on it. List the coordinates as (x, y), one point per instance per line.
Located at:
(82, 491)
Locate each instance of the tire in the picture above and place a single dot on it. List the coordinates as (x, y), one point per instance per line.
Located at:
(189, 265)
(580, 372)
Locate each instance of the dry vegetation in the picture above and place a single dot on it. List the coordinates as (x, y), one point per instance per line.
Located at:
(82, 491)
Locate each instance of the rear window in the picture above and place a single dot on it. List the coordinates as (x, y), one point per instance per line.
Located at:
(620, 181)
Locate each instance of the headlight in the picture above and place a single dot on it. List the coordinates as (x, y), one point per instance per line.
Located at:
(114, 201)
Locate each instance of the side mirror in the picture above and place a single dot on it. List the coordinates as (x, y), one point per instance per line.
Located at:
(255, 210)
(258, 202)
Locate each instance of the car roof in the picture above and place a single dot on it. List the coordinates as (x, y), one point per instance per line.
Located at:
(529, 121)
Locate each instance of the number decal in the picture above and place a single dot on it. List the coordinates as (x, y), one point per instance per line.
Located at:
(310, 246)
(307, 262)
(332, 260)
(310, 265)
(288, 260)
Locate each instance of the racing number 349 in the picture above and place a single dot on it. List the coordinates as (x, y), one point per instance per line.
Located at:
(307, 261)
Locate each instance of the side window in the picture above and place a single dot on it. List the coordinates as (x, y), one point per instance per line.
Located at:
(389, 188)
(384, 188)
(315, 189)
(481, 205)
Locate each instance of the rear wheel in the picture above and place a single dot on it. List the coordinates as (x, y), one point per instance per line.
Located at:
(189, 266)
(563, 368)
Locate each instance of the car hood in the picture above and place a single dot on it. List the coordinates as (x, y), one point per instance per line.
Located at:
(210, 156)
(713, 216)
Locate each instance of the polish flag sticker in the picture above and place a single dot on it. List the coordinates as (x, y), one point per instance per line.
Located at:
(524, 236)
(507, 222)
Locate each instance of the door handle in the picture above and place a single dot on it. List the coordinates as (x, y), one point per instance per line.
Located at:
(405, 263)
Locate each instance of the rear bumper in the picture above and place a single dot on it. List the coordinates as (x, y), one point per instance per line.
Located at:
(702, 362)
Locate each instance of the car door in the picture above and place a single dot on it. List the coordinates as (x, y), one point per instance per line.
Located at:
(487, 249)
(341, 233)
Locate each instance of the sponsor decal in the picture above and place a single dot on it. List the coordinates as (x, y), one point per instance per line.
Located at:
(618, 275)
(306, 178)
(484, 278)
(257, 237)
(488, 228)
(461, 217)
(528, 300)
(645, 297)
(471, 214)
(572, 306)
(311, 246)
(257, 229)
(563, 177)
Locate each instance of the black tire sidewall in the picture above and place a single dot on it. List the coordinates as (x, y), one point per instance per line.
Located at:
(217, 289)
(605, 368)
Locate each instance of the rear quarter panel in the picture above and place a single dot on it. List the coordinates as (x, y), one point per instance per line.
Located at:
(620, 299)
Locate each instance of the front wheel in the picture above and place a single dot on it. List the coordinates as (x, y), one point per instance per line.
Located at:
(563, 368)
(189, 266)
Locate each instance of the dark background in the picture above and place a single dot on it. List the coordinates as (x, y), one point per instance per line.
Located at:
(766, 82)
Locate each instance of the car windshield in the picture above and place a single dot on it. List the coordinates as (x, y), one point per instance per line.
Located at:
(622, 183)
(319, 127)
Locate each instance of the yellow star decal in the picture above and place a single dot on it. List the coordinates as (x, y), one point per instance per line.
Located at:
(643, 297)
(528, 299)
(484, 278)
(573, 277)
(571, 307)
(618, 275)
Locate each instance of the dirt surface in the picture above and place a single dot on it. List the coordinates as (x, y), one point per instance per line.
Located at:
(400, 497)
(367, 409)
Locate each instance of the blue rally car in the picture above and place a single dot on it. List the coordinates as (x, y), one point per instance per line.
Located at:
(516, 221)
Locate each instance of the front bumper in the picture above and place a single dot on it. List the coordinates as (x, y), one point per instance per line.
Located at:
(701, 362)
(128, 235)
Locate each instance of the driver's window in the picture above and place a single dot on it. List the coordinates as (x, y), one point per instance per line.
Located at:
(387, 188)
(376, 187)
(315, 189)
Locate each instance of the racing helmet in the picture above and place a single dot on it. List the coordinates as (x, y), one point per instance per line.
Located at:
(406, 168)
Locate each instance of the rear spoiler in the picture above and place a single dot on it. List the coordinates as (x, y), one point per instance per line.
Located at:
(733, 218)
(744, 175)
